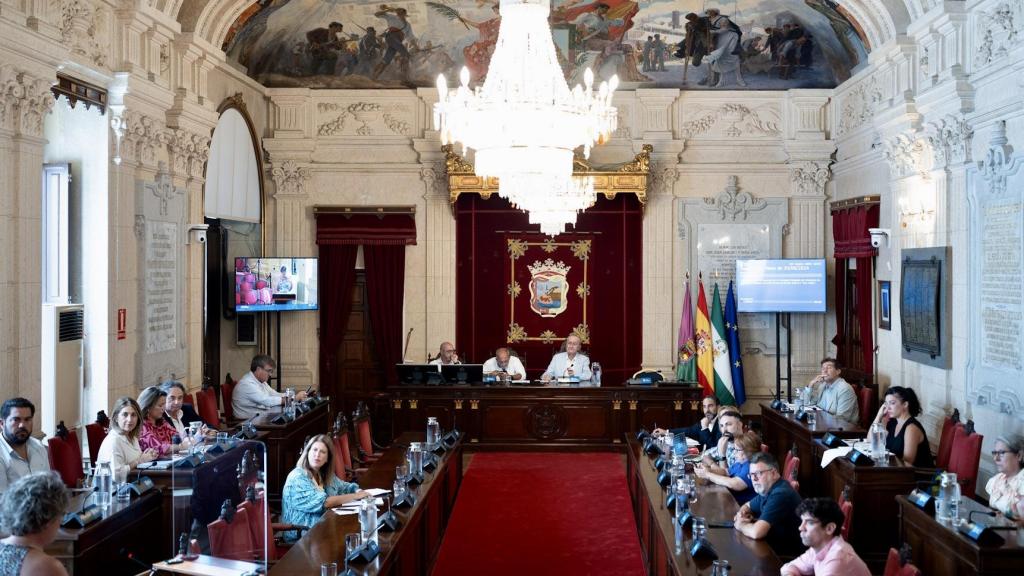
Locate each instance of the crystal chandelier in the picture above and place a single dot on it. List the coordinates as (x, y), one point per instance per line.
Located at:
(524, 123)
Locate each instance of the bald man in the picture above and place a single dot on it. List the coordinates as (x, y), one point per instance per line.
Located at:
(505, 363)
(446, 355)
(568, 364)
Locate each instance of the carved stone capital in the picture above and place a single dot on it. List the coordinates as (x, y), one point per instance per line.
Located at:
(908, 153)
(143, 137)
(997, 159)
(732, 203)
(189, 152)
(435, 182)
(663, 179)
(24, 101)
(950, 140)
(810, 178)
(290, 178)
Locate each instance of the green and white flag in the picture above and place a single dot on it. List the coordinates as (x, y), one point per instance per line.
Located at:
(720, 350)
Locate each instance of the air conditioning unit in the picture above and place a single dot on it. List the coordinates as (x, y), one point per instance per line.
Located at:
(62, 353)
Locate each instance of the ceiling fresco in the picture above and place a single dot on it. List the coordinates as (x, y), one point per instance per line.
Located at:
(691, 44)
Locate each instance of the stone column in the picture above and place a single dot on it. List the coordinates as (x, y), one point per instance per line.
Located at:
(439, 235)
(662, 298)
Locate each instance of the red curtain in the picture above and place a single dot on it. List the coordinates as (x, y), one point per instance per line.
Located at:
(366, 229)
(385, 288)
(336, 276)
(852, 240)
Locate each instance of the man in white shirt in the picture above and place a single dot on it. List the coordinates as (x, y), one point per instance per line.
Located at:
(833, 394)
(20, 453)
(505, 363)
(253, 395)
(568, 364)
(446, 355)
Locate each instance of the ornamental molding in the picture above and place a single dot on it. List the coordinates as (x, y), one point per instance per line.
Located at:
(998, 30)
(188, 151)
(290, 178)
(84, 30)
(858, 105)
(950, 140)
(997, 160)
(24, 101)
(663, 179)
(731, 202)
(908, 153)
(435, 181)
(731, 120)
(363, 119)
(810, 178)
(143, 137)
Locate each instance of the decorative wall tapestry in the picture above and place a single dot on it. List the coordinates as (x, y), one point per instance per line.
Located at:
(548, 285)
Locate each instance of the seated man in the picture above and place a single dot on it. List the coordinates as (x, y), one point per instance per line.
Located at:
(720, 458)
(446, 355)
(707, 431)
(20, 453)
(771, 515)
(503, 363)
(253, 395)
(568, 364)
(833, 394)
(827, 553)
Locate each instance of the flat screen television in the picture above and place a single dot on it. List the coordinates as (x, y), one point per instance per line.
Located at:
(783, 285)
(275, 284)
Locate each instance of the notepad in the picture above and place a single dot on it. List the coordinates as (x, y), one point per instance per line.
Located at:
(377, 491)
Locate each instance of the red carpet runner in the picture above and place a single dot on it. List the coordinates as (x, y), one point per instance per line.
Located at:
(542, 514)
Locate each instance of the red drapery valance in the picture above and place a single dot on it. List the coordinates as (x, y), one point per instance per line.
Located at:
(850, 230)
(852, 240)
(365, 229)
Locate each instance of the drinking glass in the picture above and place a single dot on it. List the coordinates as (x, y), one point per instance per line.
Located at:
(402, 472)
(353, 542)
(121, 490)
(700, 527)
(399, 489)
(720, 568)
(222, 439)
(329, 569)
(811, 420)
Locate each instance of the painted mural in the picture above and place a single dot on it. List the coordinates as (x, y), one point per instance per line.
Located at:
(693, 44)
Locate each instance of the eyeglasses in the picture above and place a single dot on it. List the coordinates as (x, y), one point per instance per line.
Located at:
(1001, 452)
(755, 474)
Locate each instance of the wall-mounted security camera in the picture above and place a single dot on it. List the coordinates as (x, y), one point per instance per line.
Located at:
(197, 233)
(880, 237)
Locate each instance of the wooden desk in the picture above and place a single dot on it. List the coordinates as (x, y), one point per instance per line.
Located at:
(103, 546)
(873, 491)
(412, 549)
(664, 545)
(780, 431)
(284, 442)
(940, 551)
(207, 566)
(545, 416)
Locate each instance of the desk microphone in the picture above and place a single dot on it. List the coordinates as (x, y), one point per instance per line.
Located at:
(970, 515)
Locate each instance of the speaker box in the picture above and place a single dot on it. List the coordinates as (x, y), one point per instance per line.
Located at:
(245, 329)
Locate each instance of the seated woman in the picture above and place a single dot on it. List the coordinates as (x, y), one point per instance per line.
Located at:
(738, 481)
(31, 511)
(121, 446)
(157, 433)
(1006, 489)
(907, 438)
(311, 487)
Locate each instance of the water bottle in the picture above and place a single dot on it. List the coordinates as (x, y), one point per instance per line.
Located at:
(878, 435)
(944, 503)
(433, 433)
(289, 403)
(368, 519)
(954, 505)
(103, 482)
(416, 458)
(595, 376)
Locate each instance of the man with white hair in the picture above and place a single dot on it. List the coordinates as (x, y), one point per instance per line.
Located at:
(569, 364)
(724, 59)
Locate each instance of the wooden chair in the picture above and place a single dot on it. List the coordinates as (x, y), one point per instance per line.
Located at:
(188, 399)
(791, 470)
(206, 406)
(369, 451)
(965, 457)
(231, 535)
(898, 563)
(95, 433)
(867, 399)
(847, 507)
(227, 390)
(344, 467)
(65, 454)
(264, 532)
(949, 426)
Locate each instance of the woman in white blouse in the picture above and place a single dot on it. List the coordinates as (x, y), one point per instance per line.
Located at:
(121, 446)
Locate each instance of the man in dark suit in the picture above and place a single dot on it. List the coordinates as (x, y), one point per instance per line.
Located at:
(179, 414)
(706, 431)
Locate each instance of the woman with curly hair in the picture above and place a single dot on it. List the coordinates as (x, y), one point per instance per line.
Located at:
(30, 511)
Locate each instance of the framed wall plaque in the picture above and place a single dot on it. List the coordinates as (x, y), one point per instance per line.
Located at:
(884, 305)
(924, 288)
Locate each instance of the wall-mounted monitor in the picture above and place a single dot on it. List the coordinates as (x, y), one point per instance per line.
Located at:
(785, 285)
(275, 284)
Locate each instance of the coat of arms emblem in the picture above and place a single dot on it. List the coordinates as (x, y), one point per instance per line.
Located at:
(549, 287)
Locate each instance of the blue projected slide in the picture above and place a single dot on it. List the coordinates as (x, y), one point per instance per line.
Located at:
(780, 285)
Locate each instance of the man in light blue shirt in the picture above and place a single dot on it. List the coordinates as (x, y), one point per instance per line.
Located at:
(20, 453)
(833, 394)
(568, 364)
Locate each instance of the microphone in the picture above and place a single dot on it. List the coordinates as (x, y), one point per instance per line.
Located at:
(989, 513)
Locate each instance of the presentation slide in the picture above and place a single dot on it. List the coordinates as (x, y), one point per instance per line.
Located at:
(780, 285)
(275, 284)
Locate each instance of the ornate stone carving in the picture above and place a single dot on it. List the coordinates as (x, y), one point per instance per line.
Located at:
(290, 178)
(143, 136)
(663, 179)
(24, 101)
(998, 157)
(731, 202)
(950, 140)
(83, 29)
(908, 154)
(164, 188)
(435, 181)
(998, 30)
(140, 226)
(858, 105)
(810, 178)
(371, 116)
(189, 152)
(732, 120)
